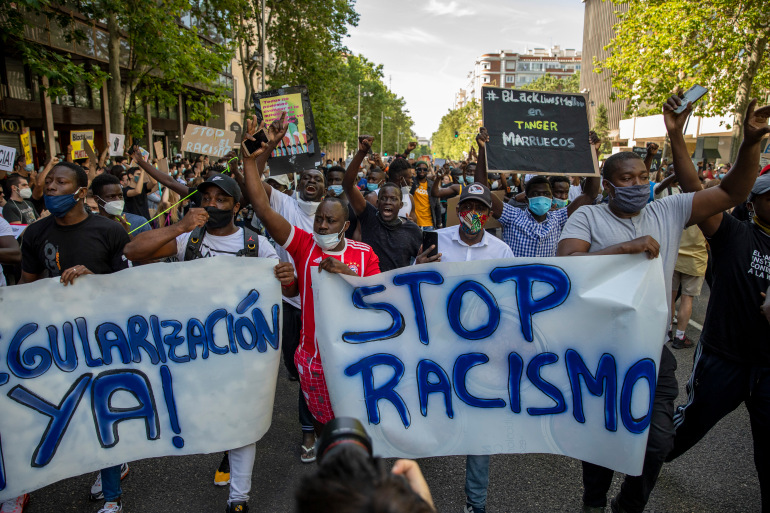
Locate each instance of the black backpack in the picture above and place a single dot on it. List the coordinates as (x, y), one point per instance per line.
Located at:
(250, 244)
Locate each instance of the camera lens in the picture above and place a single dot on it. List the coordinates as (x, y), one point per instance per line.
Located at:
(342, 431)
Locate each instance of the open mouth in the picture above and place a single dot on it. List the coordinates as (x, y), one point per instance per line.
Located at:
(311, 189)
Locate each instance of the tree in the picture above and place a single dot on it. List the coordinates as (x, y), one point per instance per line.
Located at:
(665, 44)
(16, 19)
(548, 82)
(466, 122)
(602, 128)
(422, 149)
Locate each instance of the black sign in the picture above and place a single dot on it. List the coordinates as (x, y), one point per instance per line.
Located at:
(299, 149)
(537, 132)
(642, 152)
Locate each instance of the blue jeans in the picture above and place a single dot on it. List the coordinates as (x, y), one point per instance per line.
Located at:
(427, 228)
(111, 483)
(476, 480)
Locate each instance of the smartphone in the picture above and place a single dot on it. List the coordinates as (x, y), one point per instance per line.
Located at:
(430, 239)
(260, 136)
(692, 95)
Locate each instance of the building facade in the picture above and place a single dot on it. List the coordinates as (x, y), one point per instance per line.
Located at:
(510, 69)
(598, 22)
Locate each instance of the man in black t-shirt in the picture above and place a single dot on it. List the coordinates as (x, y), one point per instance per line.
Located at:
(395, 241)
(70, 243)
(135, 194)
(18, 210)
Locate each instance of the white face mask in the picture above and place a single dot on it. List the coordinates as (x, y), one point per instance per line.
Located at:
(327, 241)
(25, 193)
(308, 207)
(495, 184)
(405, 190)
(114, 208)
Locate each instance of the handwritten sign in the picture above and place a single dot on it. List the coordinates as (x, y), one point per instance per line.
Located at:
(117, 141)
(656, 159)
(86, 386)
(77, 139)
(7, 158)
(297, 151)
(204, 140)
(537, 133)
(26, 146)
(549, 355)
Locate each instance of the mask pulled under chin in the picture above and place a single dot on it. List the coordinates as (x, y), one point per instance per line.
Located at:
(327, 241)
(631, 199)
(472, 222)
(308, 207)
(218, 218)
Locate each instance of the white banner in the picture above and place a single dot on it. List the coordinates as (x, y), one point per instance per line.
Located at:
(156, 360)
(550, 355)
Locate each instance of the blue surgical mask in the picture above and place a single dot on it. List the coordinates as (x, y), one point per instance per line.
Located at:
(539, 205)
(721, 176)
(328, 166)
(372, 187)
(559, 203)
(460, 179)
(58, 206)
(336, 189)
(469, 179)
(29, 167)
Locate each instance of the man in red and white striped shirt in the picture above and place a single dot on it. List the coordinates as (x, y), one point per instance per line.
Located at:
(326, 248)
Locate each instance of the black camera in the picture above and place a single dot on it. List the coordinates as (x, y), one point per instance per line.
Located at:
(342, 432)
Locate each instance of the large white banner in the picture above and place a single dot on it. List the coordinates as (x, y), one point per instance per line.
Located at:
(554, 355)
(162, 359)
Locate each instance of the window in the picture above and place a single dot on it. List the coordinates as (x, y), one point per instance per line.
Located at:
(510, 65)
(522, 66)
(537, 66)
(82, 96)
(17, 79)
(577, 67)
(86, 45)
(96, 97)
(510, 79)
(485, 65)
(100, 45)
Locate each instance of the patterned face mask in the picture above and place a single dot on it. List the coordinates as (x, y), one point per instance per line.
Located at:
(472, 222)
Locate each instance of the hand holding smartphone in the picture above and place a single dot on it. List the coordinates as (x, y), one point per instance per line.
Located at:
(430, 239)
(692, 95)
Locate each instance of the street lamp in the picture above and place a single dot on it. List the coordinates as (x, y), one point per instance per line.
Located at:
(382, 134)
(358, 117)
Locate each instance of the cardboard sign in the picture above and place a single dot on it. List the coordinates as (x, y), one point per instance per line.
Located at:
(91, 154)
(7, 158)
(437, 163)
(86, 387)
(642, 152)
(498, 356)
(451, 212)
(116, 145)
(297, 151)
(77, 138)
(537, 132)
(158, 147)
(26, 146)
(204, 140)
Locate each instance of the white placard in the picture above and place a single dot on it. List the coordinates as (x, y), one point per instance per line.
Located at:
(116, 144)
(7, 158)
(549, 355)
(155, 360)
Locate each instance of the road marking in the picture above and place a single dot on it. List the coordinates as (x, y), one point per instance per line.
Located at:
(696, 325)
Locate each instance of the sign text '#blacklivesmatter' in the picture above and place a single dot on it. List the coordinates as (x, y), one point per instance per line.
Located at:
(492, 341)
(537, 132)
(150, 356)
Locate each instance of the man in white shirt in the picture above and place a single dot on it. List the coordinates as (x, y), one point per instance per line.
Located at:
(463, 243)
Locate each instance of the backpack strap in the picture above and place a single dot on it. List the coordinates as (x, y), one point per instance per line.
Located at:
(194, 243)
(250, 243)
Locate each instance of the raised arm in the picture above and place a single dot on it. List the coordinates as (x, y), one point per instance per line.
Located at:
(39, 189)
(103, 156)
(667, 181)
(444, 192)
(354, 195)
(591, 185)
(136, 187)
(161, 243)
(253, 166)
(652, 150)
(480, 174)
(162, 178)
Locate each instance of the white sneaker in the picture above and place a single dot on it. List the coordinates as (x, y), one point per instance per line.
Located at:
(112, 507)
(14, 505)
(96, 489)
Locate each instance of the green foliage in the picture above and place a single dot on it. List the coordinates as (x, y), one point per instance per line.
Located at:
(466, 121)
(422, 149)
(548, 82)
(660, 45)
(602, 128)
(62, 72)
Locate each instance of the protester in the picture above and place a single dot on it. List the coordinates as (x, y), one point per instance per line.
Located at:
(324, 249)
(627, 224)
(136, 191)
(732, 361)
(71, 243)
(334, 177)
(395, 241)
(427, 209)
(470, 241)
(18, 209)
(208, 232)
(109, 200)
(400, 173)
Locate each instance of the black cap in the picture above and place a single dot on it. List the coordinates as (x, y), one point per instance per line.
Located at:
(476, 191)
(224, 182)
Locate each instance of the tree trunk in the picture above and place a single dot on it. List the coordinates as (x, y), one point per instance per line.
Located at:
(117, 118)
(742, 96)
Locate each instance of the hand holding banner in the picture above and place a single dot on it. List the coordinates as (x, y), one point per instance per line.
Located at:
(554, 355)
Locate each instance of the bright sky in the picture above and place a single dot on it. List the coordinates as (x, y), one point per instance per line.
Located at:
(428, 47)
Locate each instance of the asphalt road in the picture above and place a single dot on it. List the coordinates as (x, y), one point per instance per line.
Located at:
(717, 475)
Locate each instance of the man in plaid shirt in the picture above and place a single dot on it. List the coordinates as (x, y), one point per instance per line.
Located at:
(535, 231)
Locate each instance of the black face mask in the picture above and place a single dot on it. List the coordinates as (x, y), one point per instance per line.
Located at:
(218, 218)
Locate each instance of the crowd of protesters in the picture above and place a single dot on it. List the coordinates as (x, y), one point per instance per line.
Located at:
(86, 217)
